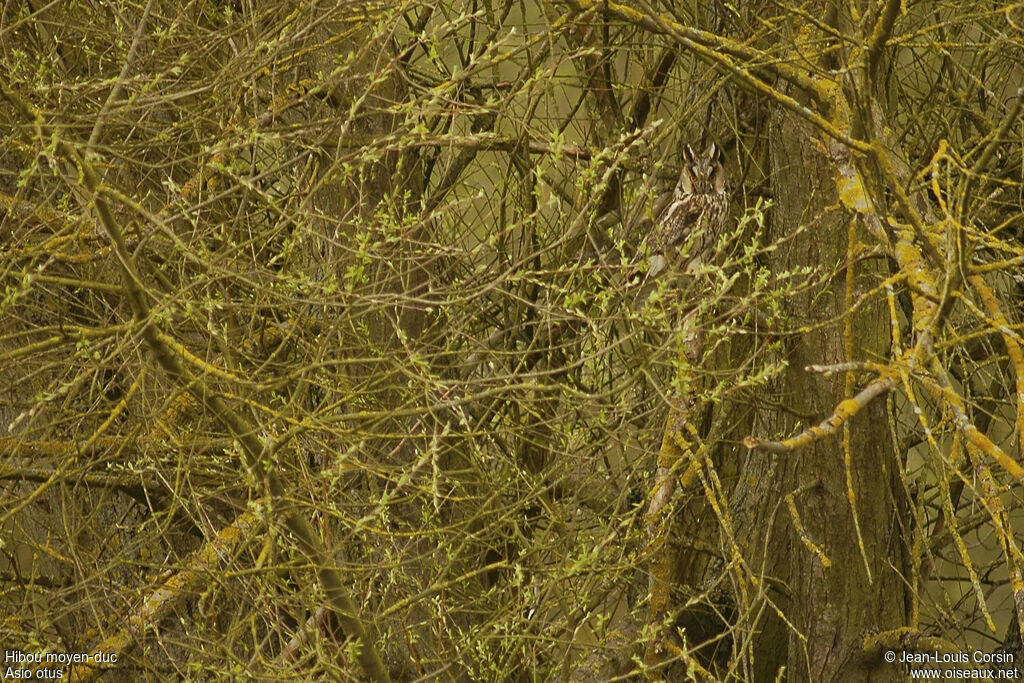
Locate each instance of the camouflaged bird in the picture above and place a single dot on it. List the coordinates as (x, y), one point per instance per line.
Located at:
(697, 212)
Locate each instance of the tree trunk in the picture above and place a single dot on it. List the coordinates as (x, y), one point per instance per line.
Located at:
(829, 569)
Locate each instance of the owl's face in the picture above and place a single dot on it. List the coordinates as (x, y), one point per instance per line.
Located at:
(702, 174)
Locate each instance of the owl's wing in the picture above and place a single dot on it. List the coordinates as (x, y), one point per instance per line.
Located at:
(676, 220)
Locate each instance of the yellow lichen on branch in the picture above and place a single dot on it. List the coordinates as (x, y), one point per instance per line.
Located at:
(170, 593)
(818, 551)
(846, 409)
(1013, 348)
(940, 386)
(676, 451)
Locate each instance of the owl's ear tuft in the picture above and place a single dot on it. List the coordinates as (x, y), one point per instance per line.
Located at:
(711, 153)
(688, 156)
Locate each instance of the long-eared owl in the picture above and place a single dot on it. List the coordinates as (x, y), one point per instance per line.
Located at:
(697, 210)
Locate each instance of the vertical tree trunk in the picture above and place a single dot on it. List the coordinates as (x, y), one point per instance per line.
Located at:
(830, 566)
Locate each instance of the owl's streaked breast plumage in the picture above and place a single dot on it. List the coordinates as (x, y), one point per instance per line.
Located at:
(699, 214)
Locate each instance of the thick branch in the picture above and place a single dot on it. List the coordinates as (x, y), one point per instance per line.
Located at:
(883, 29)
(842, 414)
